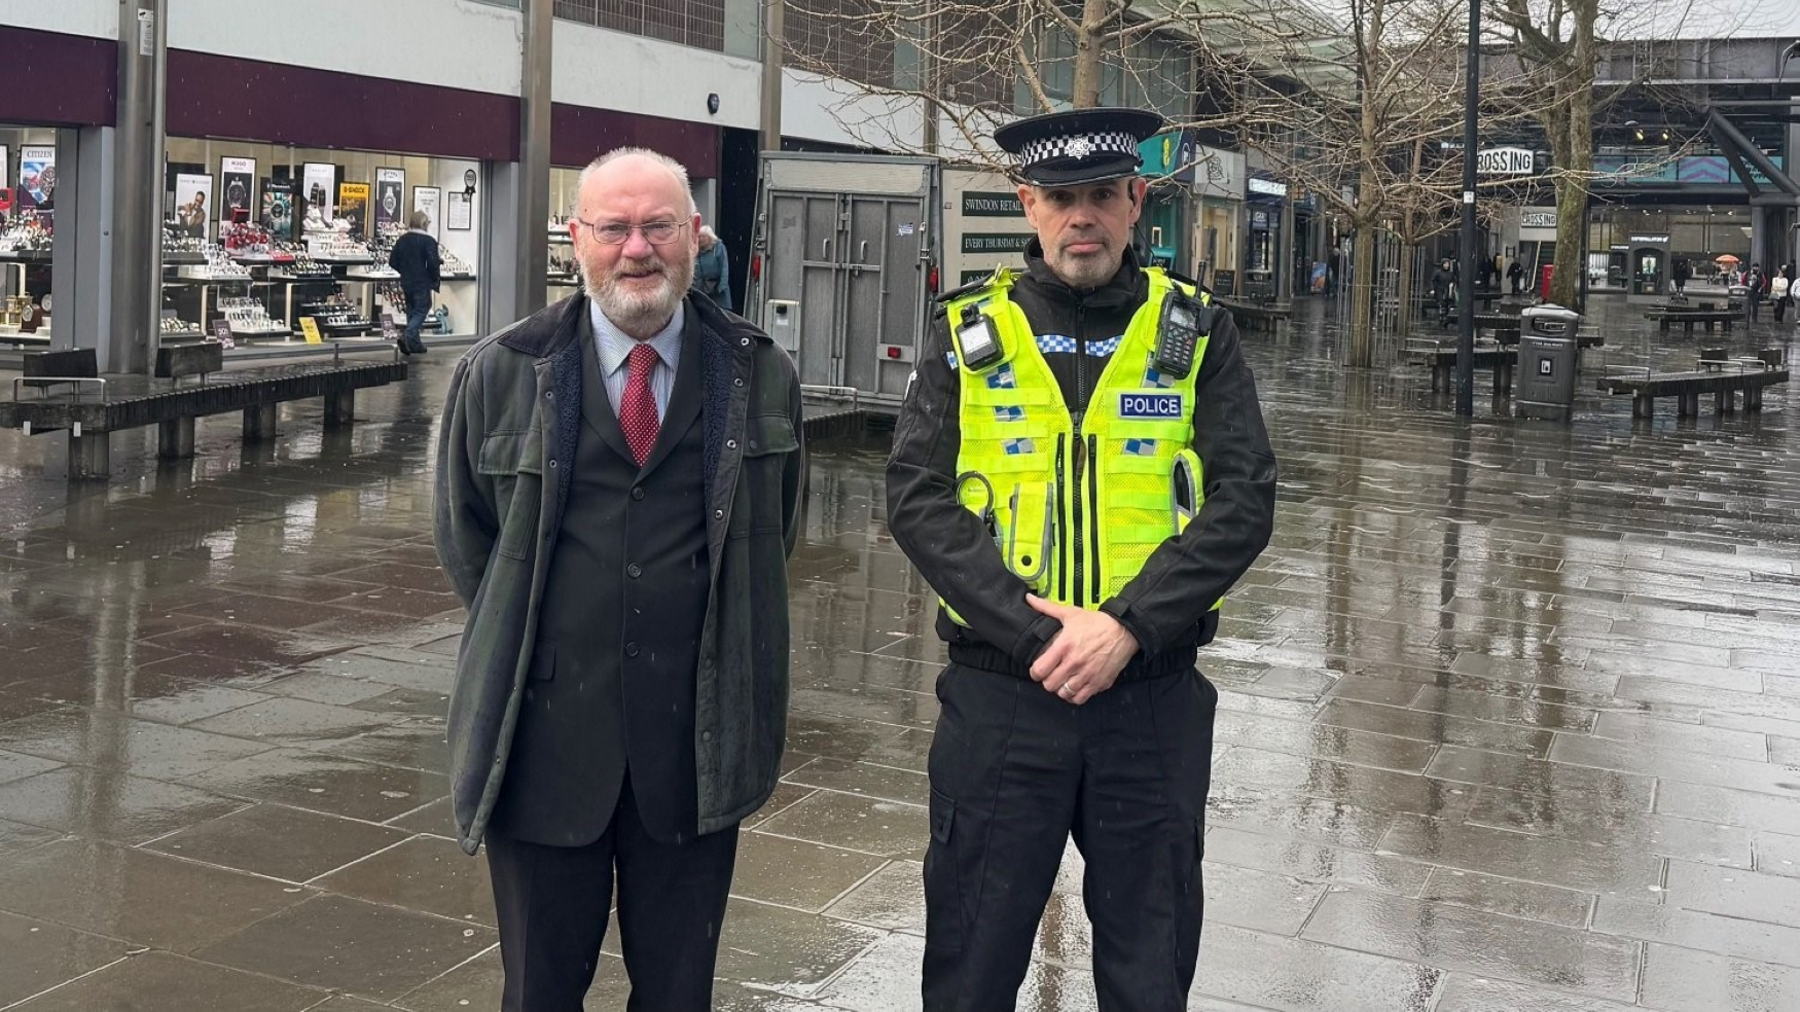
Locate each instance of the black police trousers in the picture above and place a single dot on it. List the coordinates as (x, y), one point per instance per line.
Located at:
(1016, 770)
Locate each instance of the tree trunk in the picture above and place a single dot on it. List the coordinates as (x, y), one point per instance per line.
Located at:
(1362, 299)
(1408, 254)
(1576, 160)
(1086, 89)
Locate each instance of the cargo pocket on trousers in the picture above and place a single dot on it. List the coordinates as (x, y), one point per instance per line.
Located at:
(944, 922)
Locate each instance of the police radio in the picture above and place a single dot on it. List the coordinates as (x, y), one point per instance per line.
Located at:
(1184, 322)
(977, 344)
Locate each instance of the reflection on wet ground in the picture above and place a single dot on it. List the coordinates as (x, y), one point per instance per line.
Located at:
(1510, 720)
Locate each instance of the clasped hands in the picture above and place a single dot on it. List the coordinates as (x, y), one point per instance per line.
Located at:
(1085, 657)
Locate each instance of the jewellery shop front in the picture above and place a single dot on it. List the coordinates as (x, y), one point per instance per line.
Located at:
(284, 239)
(27, 231)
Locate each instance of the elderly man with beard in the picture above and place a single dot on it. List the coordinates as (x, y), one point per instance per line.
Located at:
(618, 487)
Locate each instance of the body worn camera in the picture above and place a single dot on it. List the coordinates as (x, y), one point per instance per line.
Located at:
(977, 344)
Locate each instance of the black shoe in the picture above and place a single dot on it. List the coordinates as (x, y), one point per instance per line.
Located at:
(404, 350)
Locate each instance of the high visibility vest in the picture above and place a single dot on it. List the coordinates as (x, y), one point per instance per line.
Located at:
(1101, 485)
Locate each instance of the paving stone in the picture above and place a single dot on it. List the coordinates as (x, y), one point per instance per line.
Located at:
(1456, 938)
(163, 982)
(277, 841)
(1589, 867)
(1511, 897)
(1685, 980)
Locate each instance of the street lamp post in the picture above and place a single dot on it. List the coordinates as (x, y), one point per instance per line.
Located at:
(1465, 315)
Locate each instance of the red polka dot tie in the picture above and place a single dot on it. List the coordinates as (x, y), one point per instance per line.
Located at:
(637, 415)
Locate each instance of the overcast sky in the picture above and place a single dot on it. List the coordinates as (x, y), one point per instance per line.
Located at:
(1716, 18)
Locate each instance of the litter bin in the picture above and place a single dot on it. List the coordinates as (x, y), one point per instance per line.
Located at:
(1548, 354)
(1737, 299)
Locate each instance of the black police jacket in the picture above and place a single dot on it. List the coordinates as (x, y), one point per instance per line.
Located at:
(1167, 606)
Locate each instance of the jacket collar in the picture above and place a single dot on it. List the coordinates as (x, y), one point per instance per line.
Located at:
(1126, 287)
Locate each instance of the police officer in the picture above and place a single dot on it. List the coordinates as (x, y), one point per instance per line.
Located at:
(1080, 471)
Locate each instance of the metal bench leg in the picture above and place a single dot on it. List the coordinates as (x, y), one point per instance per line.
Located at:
(340, 409)
(1503, 379)
(175, 439)
(1642, 405)
(1687, 405)
(90, 456)
(1722, 402)
(1752, 400)
(259, 424)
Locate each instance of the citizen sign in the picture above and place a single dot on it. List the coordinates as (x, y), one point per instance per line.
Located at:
(1504, 162)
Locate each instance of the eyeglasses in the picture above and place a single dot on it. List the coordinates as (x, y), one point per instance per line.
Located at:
(617, 233)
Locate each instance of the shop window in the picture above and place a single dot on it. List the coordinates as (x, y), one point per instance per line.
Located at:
(270, 244)
(28, 184)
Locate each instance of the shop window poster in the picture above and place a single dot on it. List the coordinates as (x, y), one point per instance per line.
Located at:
(37, 174)
(277, 208)
(429, 199)
(318, 181)
(237, 188)
(390, 191)
(5, 174)
(353, 207)
(191, 210)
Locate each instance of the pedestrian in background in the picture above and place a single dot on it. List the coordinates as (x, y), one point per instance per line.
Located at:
(421, 265)
(618, 491)
(1758, 283)
(712, 269)
(1516, 274)
(1781, 290)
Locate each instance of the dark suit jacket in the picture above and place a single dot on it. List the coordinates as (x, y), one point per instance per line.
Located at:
(611, 691)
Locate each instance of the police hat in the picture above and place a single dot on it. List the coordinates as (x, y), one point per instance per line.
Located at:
(1080, 146)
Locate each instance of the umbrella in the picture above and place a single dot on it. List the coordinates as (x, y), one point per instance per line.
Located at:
(1725, 258)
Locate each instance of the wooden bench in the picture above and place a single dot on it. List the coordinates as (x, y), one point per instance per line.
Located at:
(95, 407)
(1441, 359)
(1688, 317)
(1722, 378)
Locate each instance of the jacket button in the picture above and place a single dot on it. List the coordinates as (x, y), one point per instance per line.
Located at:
(744, 341)
(738, 382)
(637, 494)
(718, 514)
(631, 649)
(731, 444)
(553, 464)
(706, 736)
(549, 395)
(634, 571)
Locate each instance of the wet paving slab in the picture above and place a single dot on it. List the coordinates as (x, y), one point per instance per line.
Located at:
(1510, 720)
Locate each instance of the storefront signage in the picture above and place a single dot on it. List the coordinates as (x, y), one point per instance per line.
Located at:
(459, 211)
(1259, 221)
(353, 207)
(1504, 162)
(1649, 240)
(237, 188)
(976, 204)
(319, 187)
(1218, 173)
(390, 190)
(1266, 187)
(278, 209)
(1224, 282)
(192, 192)
(37, 174)
(1170, 155)
(1537, 219)
(428, 200)
(309, 328)
(995, 242)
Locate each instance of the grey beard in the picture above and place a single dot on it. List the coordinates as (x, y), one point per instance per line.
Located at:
(645, 314)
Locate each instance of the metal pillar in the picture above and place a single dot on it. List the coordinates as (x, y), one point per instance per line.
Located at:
(135, 284)
(81, 263)
(533, 183)
(340, 409)
(259, 424)
(175, 439)
(774, 57)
